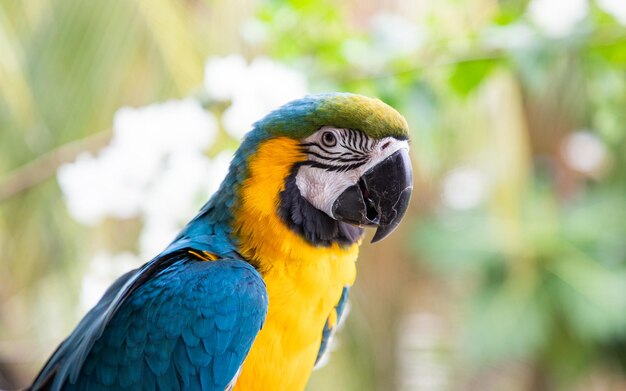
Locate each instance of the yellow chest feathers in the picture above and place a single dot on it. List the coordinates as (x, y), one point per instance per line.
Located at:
(304, 282)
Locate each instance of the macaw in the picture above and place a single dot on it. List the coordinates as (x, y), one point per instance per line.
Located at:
(248, 294)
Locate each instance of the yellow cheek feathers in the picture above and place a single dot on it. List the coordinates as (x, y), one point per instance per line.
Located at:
(257, 224)
(261, 233)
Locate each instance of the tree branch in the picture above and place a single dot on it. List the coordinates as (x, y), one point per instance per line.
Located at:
(45, 166)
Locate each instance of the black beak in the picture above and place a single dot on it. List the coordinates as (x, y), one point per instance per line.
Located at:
(380, 197)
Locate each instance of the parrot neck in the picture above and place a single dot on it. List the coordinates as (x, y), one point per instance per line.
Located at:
(304, 280)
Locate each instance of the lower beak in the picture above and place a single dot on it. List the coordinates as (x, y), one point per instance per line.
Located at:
(381, 196)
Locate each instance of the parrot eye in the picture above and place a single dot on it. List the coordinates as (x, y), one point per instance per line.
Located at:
(329, 139)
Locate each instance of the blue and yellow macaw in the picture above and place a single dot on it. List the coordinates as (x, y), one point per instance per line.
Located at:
(248, 294)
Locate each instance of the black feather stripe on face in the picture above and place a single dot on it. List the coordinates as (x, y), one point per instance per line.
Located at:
(351, 152)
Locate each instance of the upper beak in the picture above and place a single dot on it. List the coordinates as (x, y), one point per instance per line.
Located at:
(380, 197)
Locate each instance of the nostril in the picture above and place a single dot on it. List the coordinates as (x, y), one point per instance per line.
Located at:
(385, 145)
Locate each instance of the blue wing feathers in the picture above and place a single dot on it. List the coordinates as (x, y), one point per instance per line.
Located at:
(185, 369)
(329, 329)
(190, 325)
(129, 374)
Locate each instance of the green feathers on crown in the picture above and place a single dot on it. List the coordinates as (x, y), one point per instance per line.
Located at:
(301, 118)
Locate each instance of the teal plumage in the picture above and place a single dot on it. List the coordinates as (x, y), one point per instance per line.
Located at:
(190, 323)
(189, 326)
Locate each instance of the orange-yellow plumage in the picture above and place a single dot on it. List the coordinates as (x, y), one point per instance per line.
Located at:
(304, 282)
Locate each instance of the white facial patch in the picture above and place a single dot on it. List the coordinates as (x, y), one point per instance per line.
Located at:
(337, 158)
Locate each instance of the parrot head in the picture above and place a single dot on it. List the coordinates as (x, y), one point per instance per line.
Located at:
(330, 165)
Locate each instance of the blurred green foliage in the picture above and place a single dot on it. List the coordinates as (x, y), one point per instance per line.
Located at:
(530, 278)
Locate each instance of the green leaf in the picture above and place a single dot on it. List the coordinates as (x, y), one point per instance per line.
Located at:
(466, 76)
(614, 52)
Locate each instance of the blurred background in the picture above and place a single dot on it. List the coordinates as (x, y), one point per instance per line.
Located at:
(118, 119)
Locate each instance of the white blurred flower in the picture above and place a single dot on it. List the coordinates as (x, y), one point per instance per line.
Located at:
(617, 8)
(464, 188)
(223, 76)
(98, 187)
(146, 143)
(173, 126)
(182, 180)
(584, 152)
(513, 36)
(104, 268)
(558, 18)
(396, 36)
(254, 90)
